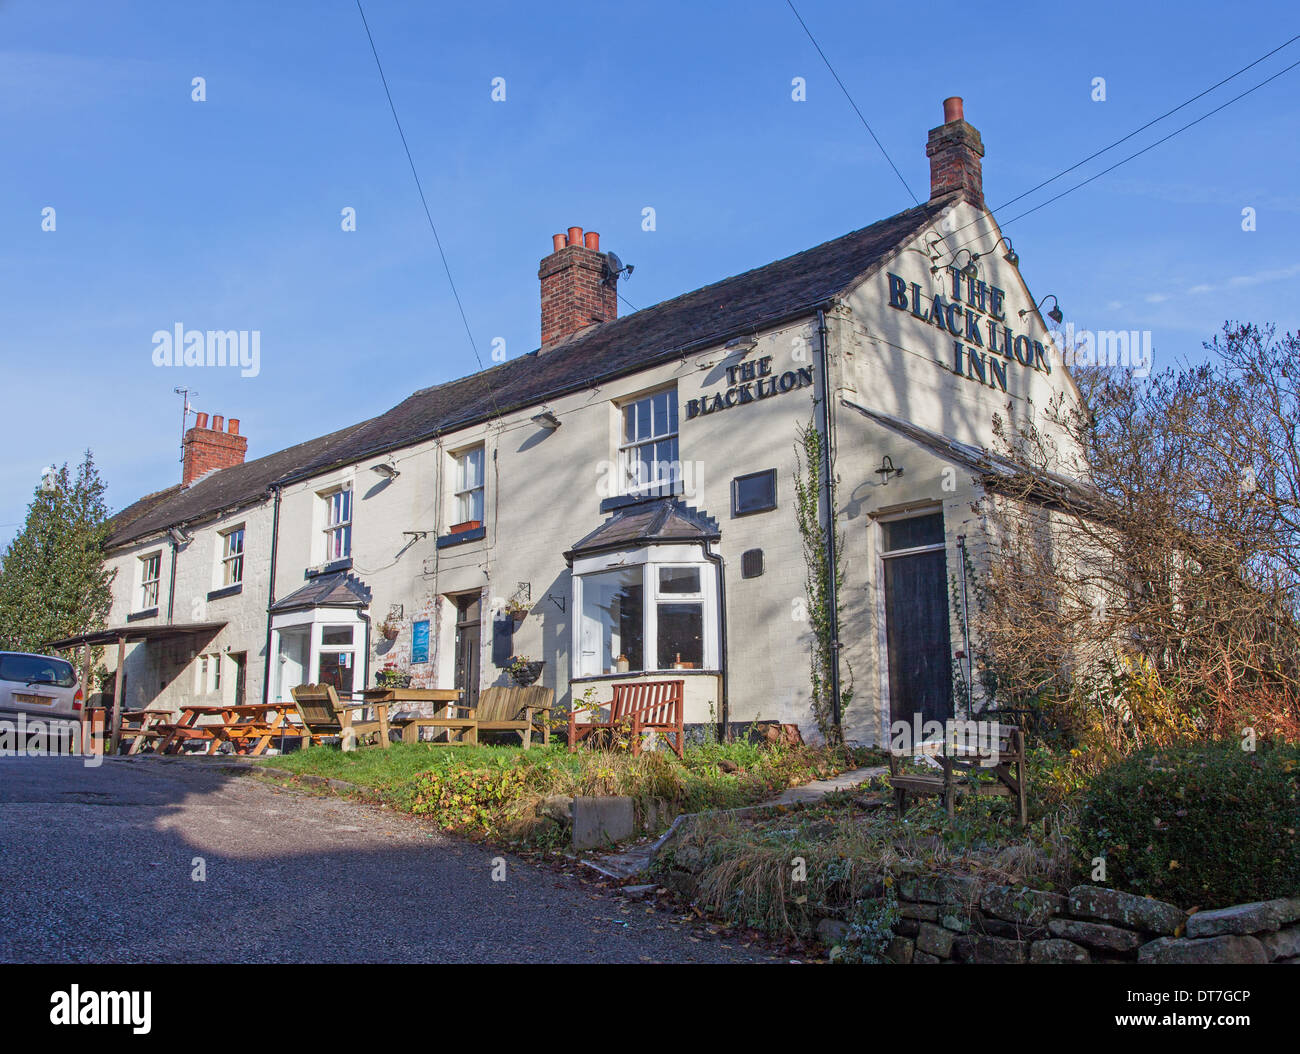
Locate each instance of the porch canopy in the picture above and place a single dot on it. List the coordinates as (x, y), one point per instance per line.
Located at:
(122, 635)
(134, 634)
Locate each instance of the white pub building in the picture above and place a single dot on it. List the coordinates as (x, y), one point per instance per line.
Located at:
(619, 503)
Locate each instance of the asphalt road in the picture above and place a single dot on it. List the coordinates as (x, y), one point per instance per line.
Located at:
(97, 865)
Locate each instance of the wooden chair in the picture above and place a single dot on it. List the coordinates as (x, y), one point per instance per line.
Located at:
(644, 706)
(323, 715)
(521, 710)
(967, 750)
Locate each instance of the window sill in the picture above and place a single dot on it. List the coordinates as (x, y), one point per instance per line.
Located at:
(227, 591)
(656, 675)
(137, 616)
(622, 501)
(325, 569)
(476, 535)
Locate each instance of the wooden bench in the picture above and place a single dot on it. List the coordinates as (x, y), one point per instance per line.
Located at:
(967, 750)
(323, 716)
(642, 706)
(521, 710)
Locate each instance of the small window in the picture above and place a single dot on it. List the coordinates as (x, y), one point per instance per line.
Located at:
(232, 557)
(915, 532)
(469, 487)
(336, 636)
(216, 673)
(338, 524)
(150, 572)
(755, 492)
(203, 673)
(679, 580)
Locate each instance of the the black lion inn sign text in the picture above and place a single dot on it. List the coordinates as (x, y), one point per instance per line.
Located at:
(748, 382)
(975, 312)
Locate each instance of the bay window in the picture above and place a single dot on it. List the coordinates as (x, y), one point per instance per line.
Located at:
(656, 608)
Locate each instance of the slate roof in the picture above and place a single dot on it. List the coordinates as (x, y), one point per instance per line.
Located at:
(228, 489)
(994, 471)
(662, 522)
(745, 303)
(338, 589)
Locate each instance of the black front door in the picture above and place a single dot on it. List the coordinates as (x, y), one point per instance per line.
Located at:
(240, 661)
(469, 631)
(916, 621)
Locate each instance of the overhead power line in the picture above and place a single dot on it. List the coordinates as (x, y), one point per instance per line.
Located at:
(845, 90)
(424, 201)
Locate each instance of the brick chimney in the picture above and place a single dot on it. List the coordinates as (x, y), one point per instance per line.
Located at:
(954, 150)
(212, 448)
(574, 293)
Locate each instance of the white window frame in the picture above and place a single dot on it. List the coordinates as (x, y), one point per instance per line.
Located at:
(150, 588)
(629, 481)
(650, 560)
(232, 562)
(334, 529)
(467, 494)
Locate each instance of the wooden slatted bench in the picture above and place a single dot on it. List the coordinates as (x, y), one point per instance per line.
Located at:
(522, 710)
(995, 749)
(642, 706)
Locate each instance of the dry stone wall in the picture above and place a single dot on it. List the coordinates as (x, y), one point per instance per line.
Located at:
(961, 919)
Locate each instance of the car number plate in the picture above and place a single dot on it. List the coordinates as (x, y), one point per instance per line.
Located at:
(33, 700)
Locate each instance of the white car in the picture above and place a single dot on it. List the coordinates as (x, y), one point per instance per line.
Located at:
(39, 686)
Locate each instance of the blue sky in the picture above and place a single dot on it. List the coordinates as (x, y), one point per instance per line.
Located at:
(225, 214)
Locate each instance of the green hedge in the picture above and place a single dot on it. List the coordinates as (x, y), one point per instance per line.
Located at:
(1203, 826)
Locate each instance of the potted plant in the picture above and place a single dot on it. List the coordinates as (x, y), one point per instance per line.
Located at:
(523, 670)
(392, 676)
(389, 629)
(516, 610)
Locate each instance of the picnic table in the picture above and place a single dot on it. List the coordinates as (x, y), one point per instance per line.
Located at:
(465, 726)
(139, 727)
(246, 728)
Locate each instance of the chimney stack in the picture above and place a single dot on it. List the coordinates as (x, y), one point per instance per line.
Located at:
(954, 150)
(212, 448)
(574, 293)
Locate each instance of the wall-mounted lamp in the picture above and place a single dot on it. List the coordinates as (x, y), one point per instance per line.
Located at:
(178, 536)
(887, 469)
(385, 469)
(970, 270)
(545, 418)
(744, 345)
(1055, 314)
(1011, 256)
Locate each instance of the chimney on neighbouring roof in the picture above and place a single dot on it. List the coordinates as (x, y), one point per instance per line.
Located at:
(575, 289)
(212, 448)
(954, 150)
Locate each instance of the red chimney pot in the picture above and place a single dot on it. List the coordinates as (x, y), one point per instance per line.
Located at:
(218, 423)
(232, 426)
(557, 242)
(575, 235)
(200, 420)
(593, 240)
(952, 109)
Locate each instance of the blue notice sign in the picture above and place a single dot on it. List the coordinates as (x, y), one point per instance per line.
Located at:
(420, 641)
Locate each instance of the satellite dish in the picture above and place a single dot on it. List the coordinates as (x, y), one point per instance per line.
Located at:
(615, 267)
